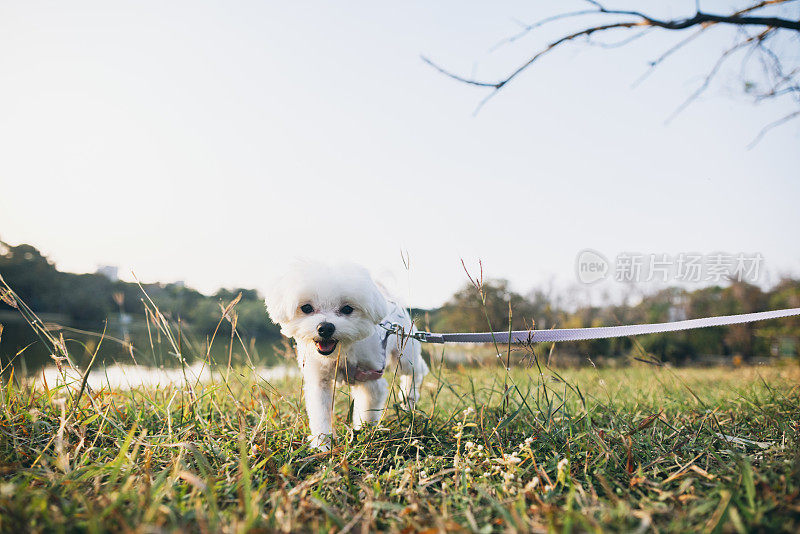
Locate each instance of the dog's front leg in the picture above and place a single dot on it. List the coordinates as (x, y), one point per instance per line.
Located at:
(319, 406)
(369, 399)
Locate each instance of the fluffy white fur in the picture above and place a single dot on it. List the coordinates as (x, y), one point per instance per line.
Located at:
(327, 289)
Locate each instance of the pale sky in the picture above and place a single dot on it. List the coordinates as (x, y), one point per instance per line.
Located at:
(212, 142)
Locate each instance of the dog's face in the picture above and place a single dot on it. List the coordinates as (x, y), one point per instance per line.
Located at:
(326, 306)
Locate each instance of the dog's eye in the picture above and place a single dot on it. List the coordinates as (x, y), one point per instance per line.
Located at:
(307, 308)
(346, 309)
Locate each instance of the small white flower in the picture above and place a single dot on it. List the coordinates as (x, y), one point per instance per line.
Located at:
(563, 471)
(7, 489)
(534, 483)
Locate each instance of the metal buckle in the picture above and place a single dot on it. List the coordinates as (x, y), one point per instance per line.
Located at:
(428, 337)
(419, 335)
(390, 327)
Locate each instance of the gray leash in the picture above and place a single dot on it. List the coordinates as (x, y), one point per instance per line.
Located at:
(577, 334)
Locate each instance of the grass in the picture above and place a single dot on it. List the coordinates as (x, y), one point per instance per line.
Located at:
(633, 449)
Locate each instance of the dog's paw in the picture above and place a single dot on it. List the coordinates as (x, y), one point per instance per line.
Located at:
(321, 442)
(405, 405)
(408, 403)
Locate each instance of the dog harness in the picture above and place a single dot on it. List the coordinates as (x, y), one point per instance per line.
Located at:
(353, 373)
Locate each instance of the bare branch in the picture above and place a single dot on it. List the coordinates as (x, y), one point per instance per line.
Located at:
(777, 83)
(699, 19)
(527, 28)
(703, 18)
(621, 42)
(500, 84)
(456, 76)
(583, 33)
(725, 55)
(779, 92)
(763, 4)
(656, 62)
(772, 125)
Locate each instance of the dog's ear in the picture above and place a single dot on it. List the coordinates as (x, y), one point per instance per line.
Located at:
(376, 307)
(280, 303)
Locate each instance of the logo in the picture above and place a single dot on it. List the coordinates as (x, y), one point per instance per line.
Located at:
(629, 267)
(591, 266)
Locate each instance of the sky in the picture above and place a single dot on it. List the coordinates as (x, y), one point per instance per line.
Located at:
(213, 142)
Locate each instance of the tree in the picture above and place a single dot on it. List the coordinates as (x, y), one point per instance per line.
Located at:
(86, 300)
(466, 312)
(766, 38)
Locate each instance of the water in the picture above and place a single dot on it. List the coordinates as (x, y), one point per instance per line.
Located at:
(125, 377)
(128, 348)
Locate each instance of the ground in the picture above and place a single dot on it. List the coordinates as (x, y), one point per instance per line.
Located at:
(638, 448)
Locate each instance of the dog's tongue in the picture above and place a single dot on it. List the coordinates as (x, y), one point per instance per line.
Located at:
(326, 346)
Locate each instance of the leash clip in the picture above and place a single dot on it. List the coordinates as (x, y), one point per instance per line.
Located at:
(392, 328)
(427, 337)
(419, 335)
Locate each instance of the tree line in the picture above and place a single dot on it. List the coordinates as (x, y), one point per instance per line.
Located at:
(468, 311)
(86, 301)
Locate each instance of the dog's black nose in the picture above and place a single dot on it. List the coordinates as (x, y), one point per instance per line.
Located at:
(326, 330)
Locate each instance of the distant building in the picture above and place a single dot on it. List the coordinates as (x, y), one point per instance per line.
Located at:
(109, 271)
(678, 306)
(676, 313)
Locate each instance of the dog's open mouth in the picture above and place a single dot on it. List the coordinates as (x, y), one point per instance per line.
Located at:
(326, 346)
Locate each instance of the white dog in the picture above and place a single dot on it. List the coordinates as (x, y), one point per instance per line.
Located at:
(333, 313)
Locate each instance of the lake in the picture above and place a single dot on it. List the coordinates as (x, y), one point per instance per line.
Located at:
(130, 344)
(124, 377)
